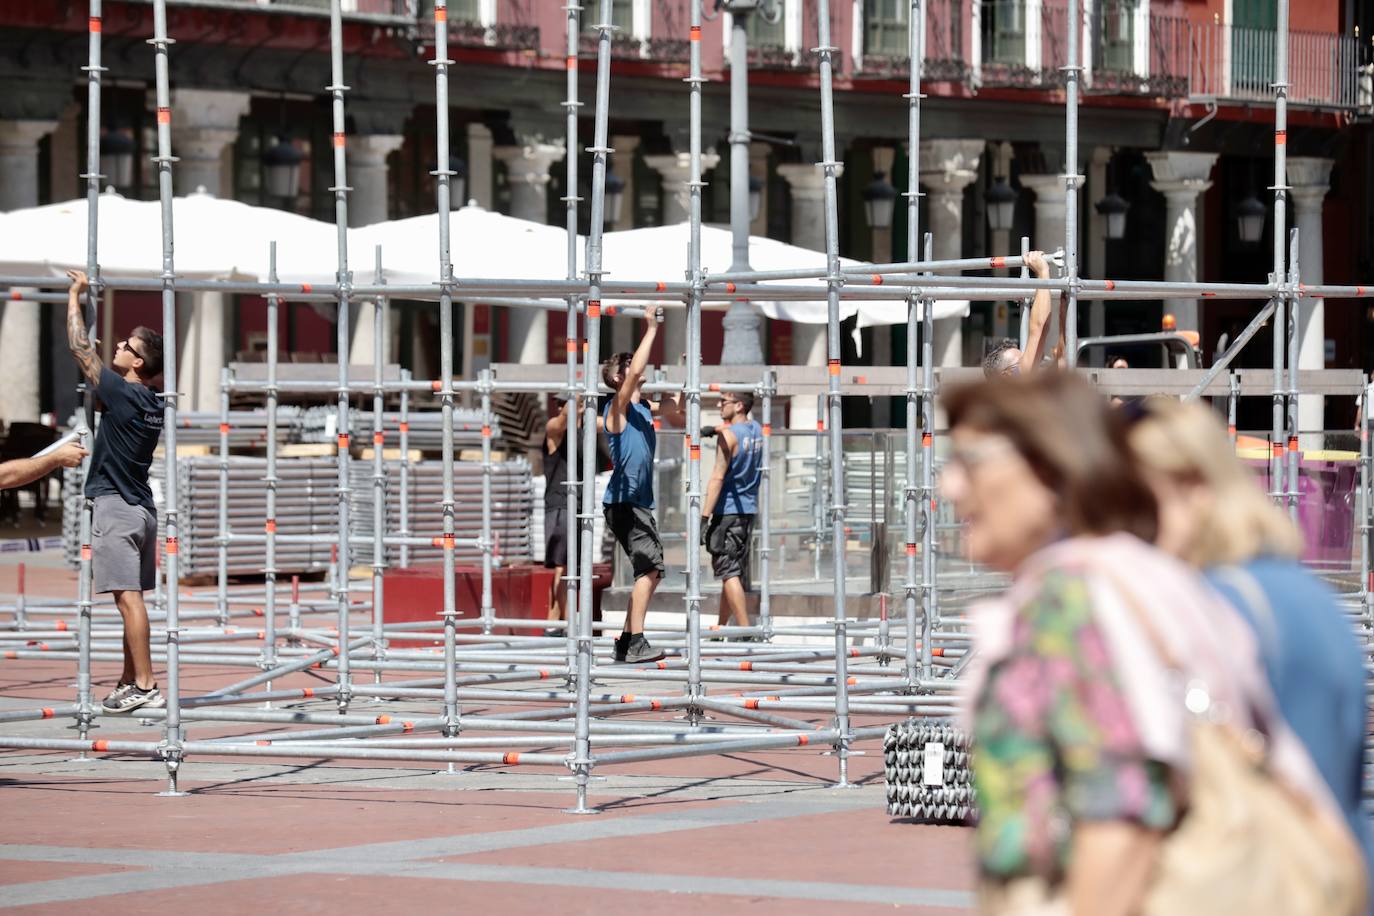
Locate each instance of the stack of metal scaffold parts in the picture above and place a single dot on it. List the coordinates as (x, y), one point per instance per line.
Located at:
(307, 494)
(926, 766)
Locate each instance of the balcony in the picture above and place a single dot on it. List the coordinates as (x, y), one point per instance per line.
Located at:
(1128, 50)
(1236, 63)
(514, 32)
(372, 9)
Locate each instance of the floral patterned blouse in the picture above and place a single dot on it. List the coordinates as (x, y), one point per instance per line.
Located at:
(1055, 741)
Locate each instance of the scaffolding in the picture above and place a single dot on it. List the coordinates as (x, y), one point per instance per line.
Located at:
(782, 680)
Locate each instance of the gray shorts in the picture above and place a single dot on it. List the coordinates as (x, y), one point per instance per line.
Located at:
(123, 546)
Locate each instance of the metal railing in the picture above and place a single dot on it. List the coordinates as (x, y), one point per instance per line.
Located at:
(1237, 62)
(398, 9)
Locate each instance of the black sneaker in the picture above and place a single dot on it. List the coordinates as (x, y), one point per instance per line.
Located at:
(639, 650)
(137, 699)
(553, 631)
(622, 645)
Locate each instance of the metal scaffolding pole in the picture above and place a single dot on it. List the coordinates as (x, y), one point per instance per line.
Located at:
(828, 165)
(572, 572)
(770, 385)
(222, 551)
(581, 761)
(381, 322)
(913, 503)
(488, 613)
(171, 748)
(344, 282)
(85, 705)
(692, 389)
(929, 596)
(1291, 334)
(269, 639)
(1276, 276)
(443, 174)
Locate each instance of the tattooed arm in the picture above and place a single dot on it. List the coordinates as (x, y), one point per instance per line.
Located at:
(78, 337)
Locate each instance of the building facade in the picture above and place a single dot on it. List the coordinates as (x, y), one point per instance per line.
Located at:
(1176, 120)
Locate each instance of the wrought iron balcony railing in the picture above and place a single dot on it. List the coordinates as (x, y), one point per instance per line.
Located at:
(1229, 62)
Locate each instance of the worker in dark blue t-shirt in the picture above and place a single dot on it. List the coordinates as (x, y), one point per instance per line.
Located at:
(123, 518)
(727, 513)
(629, 499)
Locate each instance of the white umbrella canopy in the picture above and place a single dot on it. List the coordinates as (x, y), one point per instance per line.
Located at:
(660, 253)
(213, 239)
(482, 244)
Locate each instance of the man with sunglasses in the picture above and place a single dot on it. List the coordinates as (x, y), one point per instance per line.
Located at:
(123, 517)
(733, 490)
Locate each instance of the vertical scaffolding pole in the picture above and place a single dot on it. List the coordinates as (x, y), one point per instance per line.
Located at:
(403, 516)
(381, 321)
(484, 387)
(1276, 277)
(572, 572)
(1025, 301)
(85, 707)
(770, 384)
(692, 389)
(172, 735)
(1365, 522)
(828, 164)
(914, 504)
(1291, 334)
(344, 278)
(581, 761)
(1072, 76)
(442, 175)
(929, 597)
(222, 549)
(1232, 399)
(269, 611)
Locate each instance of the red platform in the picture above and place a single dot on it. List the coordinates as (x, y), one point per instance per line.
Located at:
(416, 593)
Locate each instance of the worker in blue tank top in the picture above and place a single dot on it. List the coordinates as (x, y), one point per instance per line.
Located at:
(732, 502)
(629, 500)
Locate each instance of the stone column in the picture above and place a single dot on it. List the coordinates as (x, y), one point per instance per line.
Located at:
(1310, 179)
(20, 322)
(527, 172)
(947, 168)
(809, 344)
(205, 124)
(1002, 244)
(367, 204)
(479, 166)
(1096, 261)
(675, 170)
(624, 331)
(1048, 232)
(1181, 177)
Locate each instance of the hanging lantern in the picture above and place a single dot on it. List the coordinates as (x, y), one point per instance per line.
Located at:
(117, 158)
(1114, 208)
(1001, 205)
(1250, 216)
(615, 196)
(879, 197)
(755, 198)
(282, 164)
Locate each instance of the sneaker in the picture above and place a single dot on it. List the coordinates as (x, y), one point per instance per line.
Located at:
(622, 645)
(553, 631)
(639, 650)
(111, 702)
(135, 698)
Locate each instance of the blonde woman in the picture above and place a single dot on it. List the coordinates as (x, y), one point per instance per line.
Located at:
(1214, 514)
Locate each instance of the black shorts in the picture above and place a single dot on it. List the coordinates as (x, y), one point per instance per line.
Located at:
(556, 539)
(727, 541)
(637, 535)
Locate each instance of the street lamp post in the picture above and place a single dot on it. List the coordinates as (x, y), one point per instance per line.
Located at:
(741, 346)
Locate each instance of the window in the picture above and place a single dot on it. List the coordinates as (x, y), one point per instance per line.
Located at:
(1118, 27)
(465, 10)
(763, 33)
(1005, 24)
(622, 17)
(885, 28)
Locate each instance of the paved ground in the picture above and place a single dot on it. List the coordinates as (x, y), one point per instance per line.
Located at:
(759, 830)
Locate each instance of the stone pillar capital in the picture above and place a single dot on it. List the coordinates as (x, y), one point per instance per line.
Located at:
(371, 150)
(1179, 170)
(949, 166)
(209, 108)
(21, 137)
(529, 163)
(676, 168)
(1048, 191)
(806, 180)
(1309, 178)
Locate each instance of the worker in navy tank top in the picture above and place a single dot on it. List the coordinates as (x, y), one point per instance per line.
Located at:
(629, 500)
(727, 513)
